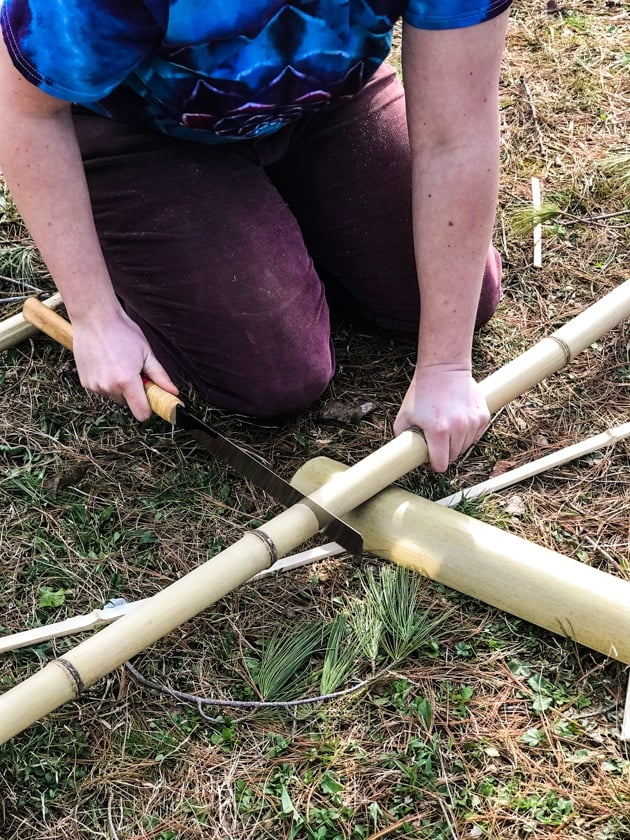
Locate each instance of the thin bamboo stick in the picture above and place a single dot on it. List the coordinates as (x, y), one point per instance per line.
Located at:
(65, 678)
(15, 329)
(67, 627)
(113, 611)
(547, 462)
(492, 565)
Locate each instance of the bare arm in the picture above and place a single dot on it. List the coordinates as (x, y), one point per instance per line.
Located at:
(41, 162)
(451, 84)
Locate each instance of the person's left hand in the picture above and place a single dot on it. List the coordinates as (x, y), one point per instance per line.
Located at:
(447, 404)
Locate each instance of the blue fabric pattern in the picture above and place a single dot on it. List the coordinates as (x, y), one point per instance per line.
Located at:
(213, 71)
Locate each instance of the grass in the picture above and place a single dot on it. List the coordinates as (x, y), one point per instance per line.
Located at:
(466, 722)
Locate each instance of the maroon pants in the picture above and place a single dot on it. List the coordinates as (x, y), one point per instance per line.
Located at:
(228, 256)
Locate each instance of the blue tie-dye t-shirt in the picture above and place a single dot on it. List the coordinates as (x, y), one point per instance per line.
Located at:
(213, 71)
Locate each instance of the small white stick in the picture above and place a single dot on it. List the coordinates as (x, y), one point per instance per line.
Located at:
(625, 726)
(119, 607)
(538, 228)
(312, 555)
(554, 459)
(76, 624)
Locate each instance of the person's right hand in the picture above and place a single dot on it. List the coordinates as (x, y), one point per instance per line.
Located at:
(112, 354)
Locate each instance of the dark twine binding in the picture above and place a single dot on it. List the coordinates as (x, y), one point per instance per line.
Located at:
(568, 354)
(271, 546)
(74, 675)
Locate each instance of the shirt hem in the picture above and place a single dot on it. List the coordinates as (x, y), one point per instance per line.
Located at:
(461, 21)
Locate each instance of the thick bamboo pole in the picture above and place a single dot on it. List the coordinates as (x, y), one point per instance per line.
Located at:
(492, 565)
(65, 678)
(15, 329)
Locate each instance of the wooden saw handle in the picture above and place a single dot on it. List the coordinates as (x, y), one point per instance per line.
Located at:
(162, 403)
(48, 322)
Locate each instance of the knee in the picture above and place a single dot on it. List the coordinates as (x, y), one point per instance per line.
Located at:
(490, 288)
(269, 386)
(291, 387)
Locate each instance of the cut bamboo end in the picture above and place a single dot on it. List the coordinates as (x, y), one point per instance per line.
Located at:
(519, 577)
(15, 329)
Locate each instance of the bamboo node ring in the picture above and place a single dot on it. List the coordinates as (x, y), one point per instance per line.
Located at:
(417, 430)
(271, 546)
(72, 672)
(568, 353)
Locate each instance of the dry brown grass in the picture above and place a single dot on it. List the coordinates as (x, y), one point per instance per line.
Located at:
(98, 507)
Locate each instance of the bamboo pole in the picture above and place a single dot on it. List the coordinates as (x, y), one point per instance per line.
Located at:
(15, 329)
(119, 607)
(65, 678)
(489, 564)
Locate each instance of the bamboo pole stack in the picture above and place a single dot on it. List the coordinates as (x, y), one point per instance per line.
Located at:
(65, 678)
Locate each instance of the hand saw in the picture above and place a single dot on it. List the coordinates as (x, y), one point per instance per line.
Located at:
(172, 409)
